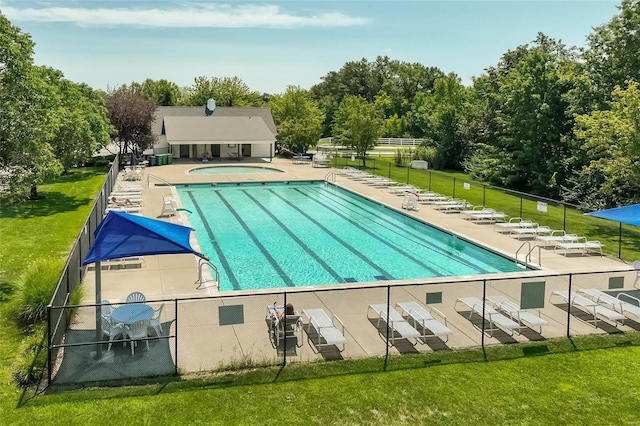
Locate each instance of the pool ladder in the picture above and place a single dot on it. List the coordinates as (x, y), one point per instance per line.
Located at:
(527, 257)
(200, 281)
(330, 177)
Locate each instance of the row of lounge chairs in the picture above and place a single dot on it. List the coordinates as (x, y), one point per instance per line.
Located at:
(125, 198)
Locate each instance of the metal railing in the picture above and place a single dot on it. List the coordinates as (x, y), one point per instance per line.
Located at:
(159, 179)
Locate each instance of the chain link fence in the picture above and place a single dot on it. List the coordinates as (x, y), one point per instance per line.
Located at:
(231, 332)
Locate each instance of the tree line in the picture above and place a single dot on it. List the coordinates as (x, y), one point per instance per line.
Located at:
(552, 120)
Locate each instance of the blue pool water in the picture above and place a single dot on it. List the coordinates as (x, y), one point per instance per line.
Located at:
(229, 170)
(269, 235)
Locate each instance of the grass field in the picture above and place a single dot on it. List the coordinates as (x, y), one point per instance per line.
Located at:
(586, 380)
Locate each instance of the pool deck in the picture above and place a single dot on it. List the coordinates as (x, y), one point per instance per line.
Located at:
(173, 276)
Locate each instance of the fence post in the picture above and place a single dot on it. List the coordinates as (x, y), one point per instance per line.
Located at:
(520, 206)
(389, 170)
(564, 218)
(284, 337)
(408, 169)
(569, 306)
(454, 188)
(484, 193)
(49, 357)
(175, 348)
(484, 303)
(386, 356)
(429, 181)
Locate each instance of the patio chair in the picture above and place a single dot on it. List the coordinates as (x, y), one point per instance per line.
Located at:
(395, 322)
(410, 201)
(514, 311)
(615, 302)
(106, 309)
(590, 307)
(490, 314)
(281, 328)
(137, 331)
(426, 319)
(155, 323)
(136, 297)
(326, 328)
(111, 329)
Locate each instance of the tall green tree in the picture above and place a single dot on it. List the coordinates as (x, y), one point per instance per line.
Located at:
(611, 140)
(613, 52)
(227, 91)
(358, 124)
(80, 120)
(297, 118)
(26, 120)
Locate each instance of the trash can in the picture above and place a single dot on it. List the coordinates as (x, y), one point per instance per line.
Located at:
(169, 158)
(165, 160)
(153, 161)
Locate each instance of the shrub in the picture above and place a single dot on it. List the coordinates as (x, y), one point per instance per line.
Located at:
(428, 154)
(35, 290)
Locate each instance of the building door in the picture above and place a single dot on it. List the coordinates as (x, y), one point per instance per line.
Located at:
(184, 151)
(215, 150)
(246, 150)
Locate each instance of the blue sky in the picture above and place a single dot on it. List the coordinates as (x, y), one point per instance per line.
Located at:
(272, 44)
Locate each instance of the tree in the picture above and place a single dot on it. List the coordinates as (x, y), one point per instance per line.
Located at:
(132, 116)
(227, 91)
(26, 108)
(297, 118)
(358, 124)
(81, 123)
(611, 140)
(162, 92)
(613, 53)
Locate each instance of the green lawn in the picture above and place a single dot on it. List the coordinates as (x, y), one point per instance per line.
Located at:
(587, 380)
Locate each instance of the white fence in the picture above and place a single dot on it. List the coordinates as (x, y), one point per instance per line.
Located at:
(385, 141)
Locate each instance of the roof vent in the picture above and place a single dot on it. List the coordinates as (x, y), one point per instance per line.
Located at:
(211, 106)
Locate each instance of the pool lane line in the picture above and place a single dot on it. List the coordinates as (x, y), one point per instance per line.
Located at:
(216, 246)
(283, 276)
(373, 235)
(301, 243)
(335, 237)
(443, 251)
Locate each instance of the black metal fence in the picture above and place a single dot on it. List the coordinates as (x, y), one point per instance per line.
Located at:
(73, 272)
(374, 320)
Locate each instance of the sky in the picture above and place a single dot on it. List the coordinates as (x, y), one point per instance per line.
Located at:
(273, 44)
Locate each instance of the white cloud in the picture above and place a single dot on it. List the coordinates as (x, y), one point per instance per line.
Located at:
(189, 16)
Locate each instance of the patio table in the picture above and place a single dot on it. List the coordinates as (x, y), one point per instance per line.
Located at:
(132, 313)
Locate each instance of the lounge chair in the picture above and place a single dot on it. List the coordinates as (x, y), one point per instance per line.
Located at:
(426, 320)
(402, 188)
(128, 187)
(428, 199)
(395, 321)
(591, 307)
(279, 329)
(616, 302)
(454, 205)
(510, 308)
(487, 215)
(494, 317)
(125, 209)
(582, 245)
(465, 214)
(533, 231)
(514, 223)
(556, 237)
(326, 328)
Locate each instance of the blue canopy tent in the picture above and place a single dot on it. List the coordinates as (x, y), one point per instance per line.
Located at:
(627, 214)
(122, 235)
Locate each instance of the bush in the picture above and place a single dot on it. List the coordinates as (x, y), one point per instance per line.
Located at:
(99, 160)
(35, 290)
(428, 154)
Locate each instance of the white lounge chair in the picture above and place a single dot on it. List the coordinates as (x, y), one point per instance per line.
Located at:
(514, 223)
(510, 308)
(451, 205)
(533, 231)
(591, 307)
(432, 198)
(556, 237)
(426, 319)
(486, 215)
(128, 187)
(402, 188)
(616, 302)
(582, 245)
(327, 330)
(395, 321)
(125, 209)
(494, 317)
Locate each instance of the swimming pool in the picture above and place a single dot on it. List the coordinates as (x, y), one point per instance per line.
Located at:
(228, 170)
(278, 234)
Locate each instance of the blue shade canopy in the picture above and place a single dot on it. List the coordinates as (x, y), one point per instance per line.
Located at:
(627, 214)
(126, 235)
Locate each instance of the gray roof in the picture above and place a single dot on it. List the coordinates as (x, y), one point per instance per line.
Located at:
(197, 111)
(216, 129)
